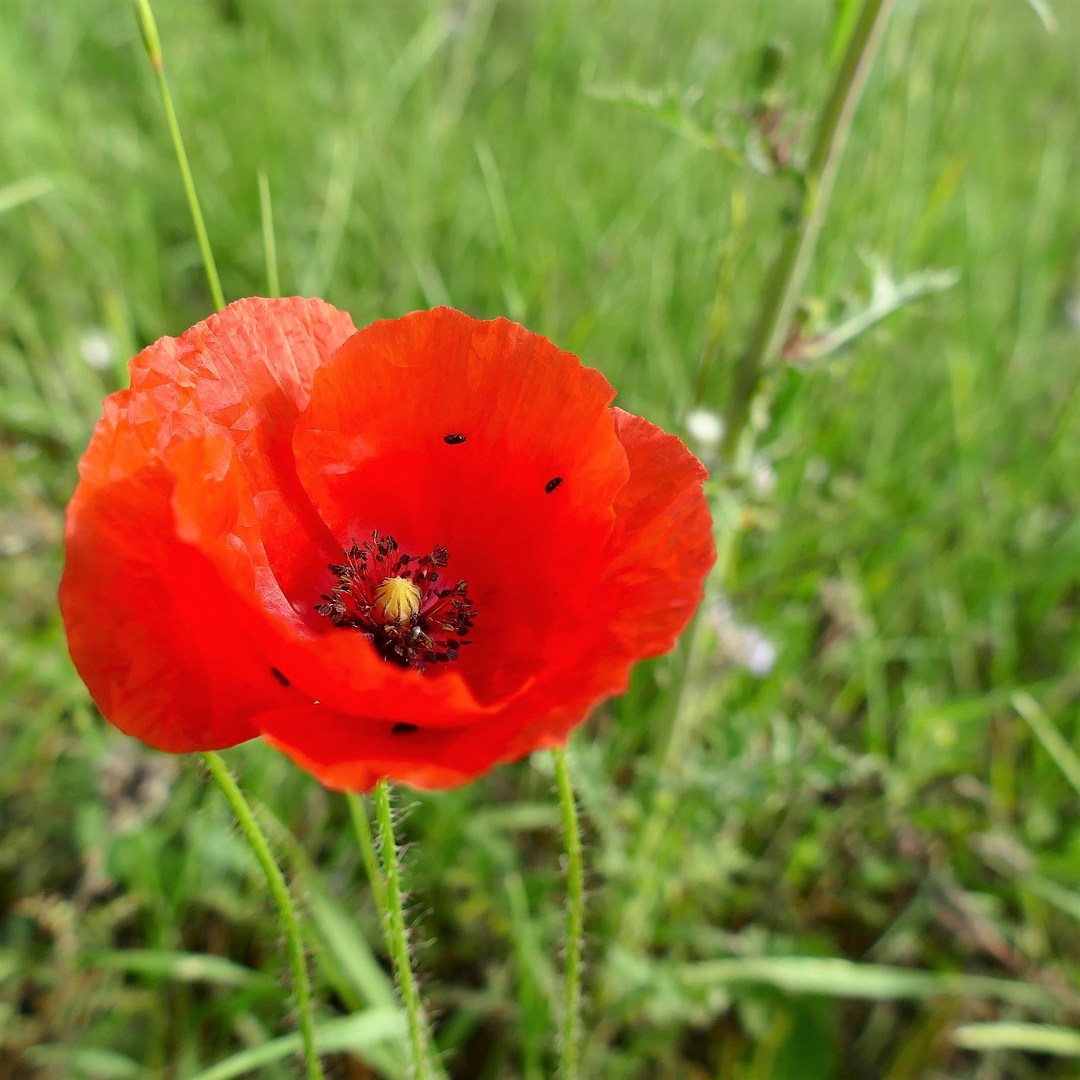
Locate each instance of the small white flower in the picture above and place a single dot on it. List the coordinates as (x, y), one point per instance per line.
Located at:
(762, 477)
(745, 646)
(705, 428)
(96, 349)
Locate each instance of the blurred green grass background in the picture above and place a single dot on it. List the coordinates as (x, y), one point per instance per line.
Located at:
(906, 535)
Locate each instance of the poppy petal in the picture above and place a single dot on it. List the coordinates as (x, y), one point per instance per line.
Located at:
(163, 659)
(663, 545)
(483, 437)
(175, 666)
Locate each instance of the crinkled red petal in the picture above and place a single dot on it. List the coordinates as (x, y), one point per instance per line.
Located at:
(149, 628)
(152, 627)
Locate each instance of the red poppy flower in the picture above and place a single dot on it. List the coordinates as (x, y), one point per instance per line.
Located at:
(413, 551)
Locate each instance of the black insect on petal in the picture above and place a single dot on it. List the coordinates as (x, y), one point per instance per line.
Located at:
(404, 729)
(453, 440)
(552, 484)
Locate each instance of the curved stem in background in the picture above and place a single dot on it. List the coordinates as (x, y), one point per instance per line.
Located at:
(396, 935)
(783, 286)
(282, 898)
(782, 290)
(570, 1028)
(152, 42)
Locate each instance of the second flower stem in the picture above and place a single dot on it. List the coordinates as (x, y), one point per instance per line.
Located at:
(396, 936)
(570, 1029)
(279, 890)
(365, 840)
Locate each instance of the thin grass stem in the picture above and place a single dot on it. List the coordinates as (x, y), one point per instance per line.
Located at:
(279, 890)
(266, 212)
(397, 936)
(570, 1027)
(152, 41)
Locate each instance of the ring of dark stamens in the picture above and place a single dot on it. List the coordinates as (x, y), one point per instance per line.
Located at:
(432, 635)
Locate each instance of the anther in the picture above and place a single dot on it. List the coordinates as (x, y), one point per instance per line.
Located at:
(280, 678)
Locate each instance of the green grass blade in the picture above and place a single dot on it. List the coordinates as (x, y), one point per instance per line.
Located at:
(360, 1034)
(266, 214)
(91, 1062)
(1045, 13)
(24, 191)
(1032, 1038)
(1065, 900)
(838, 978)
(176, 966)
(1053, 741)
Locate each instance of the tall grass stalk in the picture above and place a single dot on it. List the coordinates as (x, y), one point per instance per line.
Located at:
(279, 890)
(152, 41)
(783, 287)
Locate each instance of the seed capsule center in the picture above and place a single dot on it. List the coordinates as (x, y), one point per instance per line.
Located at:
(398, 599)
(393, 600)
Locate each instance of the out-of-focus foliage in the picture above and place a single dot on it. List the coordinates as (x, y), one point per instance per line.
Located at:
(850, 787)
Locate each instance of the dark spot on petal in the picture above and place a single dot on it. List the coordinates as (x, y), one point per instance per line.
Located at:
(552, 484)
(404, 729)
(453, 440)
(280, 678)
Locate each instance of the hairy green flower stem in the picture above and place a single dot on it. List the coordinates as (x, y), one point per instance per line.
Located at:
(570, 1027)
(396, 936)
(783, 286)
(152, 42)
(365, 840)
(279, 890)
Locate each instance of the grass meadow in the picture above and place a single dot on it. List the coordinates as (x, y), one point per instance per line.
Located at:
(838, 838)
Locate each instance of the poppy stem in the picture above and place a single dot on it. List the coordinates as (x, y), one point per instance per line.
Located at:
(152, 42)
(366, 842)
(397, 937)
(570, 1029)
(279, 890)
